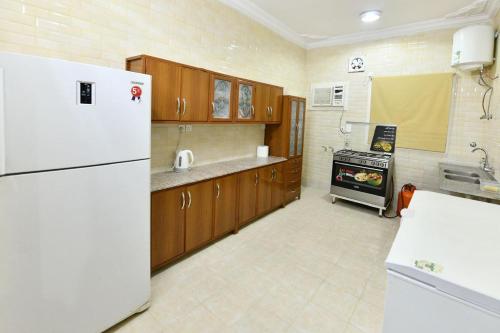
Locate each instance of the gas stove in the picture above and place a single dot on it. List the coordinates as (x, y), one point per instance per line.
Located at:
(363, 177)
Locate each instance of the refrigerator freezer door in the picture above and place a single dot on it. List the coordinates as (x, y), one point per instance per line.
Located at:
(60, 114)
(74, 248)
(452, 244)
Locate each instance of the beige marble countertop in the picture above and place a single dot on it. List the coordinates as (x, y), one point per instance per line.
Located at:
(170, 179)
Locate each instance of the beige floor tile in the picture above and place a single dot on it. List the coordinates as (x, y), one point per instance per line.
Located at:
(333, 298)
(374, 294)
(311, 267)
(353, 329)
(282, 302)
(226, 307)
(258, 319)
(169, 307)
(352, 281)
(315, 319)
(198, 320)
(139, 323)
(368, 317)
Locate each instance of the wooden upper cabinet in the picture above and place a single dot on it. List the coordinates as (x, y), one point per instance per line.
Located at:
(275, 104)
(300, 126)
(194, 94)
(264, 203)
(292, 133)
(247, 198)
(199, 210)
(225, 190)
(167, 225)
(245, 101)
(262, 92)
(221, 97)
(268, 103)
(188, 94)
(286, 139)
(166, 87)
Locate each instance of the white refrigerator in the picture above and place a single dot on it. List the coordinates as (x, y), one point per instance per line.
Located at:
(74, 195)
(444, 267)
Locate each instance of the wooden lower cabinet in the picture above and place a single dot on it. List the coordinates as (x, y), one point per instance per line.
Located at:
(278, 186)
(264, 189)
(247, 203)
(225, 190)
(293, 178)
(167, 225)
(199, 209)
(186, 218)
(260, 191)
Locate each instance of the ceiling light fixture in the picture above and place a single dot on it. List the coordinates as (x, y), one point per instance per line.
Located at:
(370, 16)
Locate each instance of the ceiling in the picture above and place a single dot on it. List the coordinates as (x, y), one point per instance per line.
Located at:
(317, 23)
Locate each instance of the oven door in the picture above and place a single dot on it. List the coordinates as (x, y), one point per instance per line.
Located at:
(359, 178)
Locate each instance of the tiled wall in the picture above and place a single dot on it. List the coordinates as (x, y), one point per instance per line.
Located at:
(423, 53)
(208, 34)
(202, 33)
(209, 143)
(494, 128)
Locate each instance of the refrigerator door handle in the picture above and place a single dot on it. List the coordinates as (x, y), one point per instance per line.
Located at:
(2, 126)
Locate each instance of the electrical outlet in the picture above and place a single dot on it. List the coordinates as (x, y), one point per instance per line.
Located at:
(348, 128)
(189, 128)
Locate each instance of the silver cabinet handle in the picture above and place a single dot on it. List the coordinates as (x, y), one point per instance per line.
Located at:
(253, 111)
(213, 107)
(184, 106)
(183, 201)
(189, 199)
(256, 178)
(268, 110)
(218, 190)
(271, 110)
(178, 105)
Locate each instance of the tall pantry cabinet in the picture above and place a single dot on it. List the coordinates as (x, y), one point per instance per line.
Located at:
(287, 140)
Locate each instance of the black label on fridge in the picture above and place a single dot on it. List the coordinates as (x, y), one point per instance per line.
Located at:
(85, 93)
(384, 139)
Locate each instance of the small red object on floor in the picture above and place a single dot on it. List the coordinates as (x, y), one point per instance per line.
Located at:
(405, 196)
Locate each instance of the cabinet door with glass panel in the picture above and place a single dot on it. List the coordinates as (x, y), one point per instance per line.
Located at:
(221, 97)
(245, 102)
(296, 127)
(300, 126)
(292, 139)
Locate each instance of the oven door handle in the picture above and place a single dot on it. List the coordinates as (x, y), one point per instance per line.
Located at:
(357, 166)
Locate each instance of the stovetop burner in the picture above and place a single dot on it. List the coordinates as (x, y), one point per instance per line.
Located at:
(380, 160)
(355, 153)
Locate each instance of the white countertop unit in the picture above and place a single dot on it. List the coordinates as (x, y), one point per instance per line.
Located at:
(459, 238)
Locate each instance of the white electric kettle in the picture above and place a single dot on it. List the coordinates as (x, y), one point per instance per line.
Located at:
(184, 160)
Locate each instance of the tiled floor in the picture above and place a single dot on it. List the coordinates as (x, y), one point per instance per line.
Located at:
(311, 267)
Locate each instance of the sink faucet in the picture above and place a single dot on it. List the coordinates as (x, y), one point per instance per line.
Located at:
(485, 165)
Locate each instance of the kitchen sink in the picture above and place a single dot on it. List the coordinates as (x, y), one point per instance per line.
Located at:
(471, 179)
(465, 180)
(461, 173)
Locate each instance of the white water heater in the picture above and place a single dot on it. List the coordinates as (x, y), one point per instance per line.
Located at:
(473, 47)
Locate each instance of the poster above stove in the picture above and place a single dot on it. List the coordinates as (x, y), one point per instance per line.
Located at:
(384, 139)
